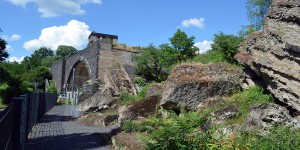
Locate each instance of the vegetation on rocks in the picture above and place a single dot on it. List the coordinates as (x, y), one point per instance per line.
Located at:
(195, 130)
(127, 99)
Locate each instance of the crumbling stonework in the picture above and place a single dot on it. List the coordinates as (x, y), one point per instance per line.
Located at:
(99, 56)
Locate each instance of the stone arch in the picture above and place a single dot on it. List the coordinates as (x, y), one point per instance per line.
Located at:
(81, 75)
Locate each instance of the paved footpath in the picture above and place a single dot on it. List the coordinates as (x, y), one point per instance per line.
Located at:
(57, 130)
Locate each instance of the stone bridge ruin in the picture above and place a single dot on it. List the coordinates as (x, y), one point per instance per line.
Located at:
(90, 63)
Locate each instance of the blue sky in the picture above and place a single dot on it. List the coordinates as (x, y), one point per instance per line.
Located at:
(30, 24)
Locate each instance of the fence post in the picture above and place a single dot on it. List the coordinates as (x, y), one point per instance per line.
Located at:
(21, 118)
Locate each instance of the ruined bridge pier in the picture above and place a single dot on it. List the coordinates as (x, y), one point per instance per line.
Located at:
(89, 63)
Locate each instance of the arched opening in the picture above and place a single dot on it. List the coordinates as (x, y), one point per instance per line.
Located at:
(81, 75)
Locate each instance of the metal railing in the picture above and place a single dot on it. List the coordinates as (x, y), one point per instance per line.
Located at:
(19, 117)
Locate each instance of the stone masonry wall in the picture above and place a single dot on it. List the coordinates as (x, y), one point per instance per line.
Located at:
(109, 56)
(61, 69)
(98, 57)
(57, 70)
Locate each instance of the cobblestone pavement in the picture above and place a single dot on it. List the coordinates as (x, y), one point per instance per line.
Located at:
(57, 131)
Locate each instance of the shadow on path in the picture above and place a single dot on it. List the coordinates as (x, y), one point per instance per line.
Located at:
(70, 141)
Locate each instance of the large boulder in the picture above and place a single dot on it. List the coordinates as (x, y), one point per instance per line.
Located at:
(140, 109)
(100, 100)
(274, 53)
(189, 85)
(264, 116)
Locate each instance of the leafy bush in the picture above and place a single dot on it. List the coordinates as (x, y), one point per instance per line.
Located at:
(127, 99)
(140, 81)
(180, 132)
(226, 45)
(52, 88)
(210, 56)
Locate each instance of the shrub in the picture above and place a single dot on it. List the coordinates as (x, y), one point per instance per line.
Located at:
(52, 88)
(180, 132)
(130, 126)
(140, 81)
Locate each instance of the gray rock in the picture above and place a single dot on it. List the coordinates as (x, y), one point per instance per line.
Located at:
(116, 80)
(273, 54)
(211, 103)
(155, 89)
(226, 132)
(140, 109)
(220, 116)
(266, 115)
(191, 84)
(102, 99)
(124, 114)
(227, 112)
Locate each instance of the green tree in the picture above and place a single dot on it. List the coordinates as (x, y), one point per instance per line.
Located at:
(257, 11)
(168, 56)
(64, 51)
(226, 45)
(42, 53)
(3, 52)
(39, 74)
(184, 45)
(148, 64)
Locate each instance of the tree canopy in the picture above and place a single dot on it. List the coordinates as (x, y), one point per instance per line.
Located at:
(3, 52)
(64, 51)
(184, 45)
(257, 11)
(226, 45)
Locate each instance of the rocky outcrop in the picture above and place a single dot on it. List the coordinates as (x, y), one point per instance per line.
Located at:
(102, 99)
(192, 84)
(116, 80)
(264, 116)
(155, 89)
(274, 53)
(98, 119)
(140, 109)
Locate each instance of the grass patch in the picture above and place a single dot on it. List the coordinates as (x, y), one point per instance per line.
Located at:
(64, 102)
(244, 100)
(128, 99)
(280, 137)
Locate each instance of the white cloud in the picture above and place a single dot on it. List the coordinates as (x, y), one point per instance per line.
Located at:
(9, 48)
(196, 22)
(19, 2)
(13, 37)
(54, 8)
(204, 46)
(74, 34)
(16, 59)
